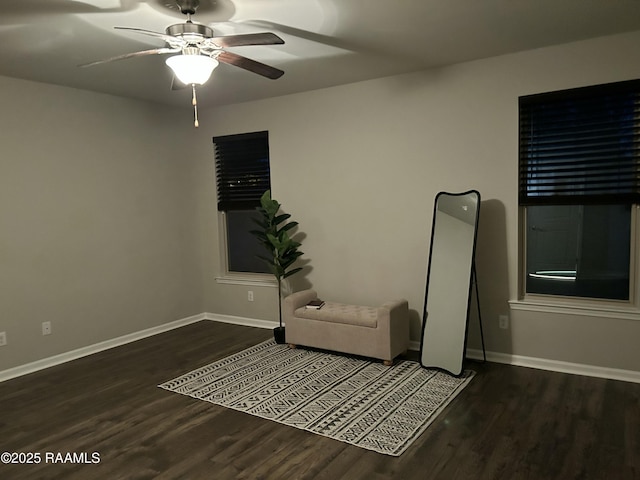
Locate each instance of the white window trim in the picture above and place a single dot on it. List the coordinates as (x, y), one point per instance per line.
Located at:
(557, 304)
(247, 280)
(571, 307)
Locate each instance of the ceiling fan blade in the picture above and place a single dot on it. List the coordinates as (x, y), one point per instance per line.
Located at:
(142, 53)
(164, 36)
(247, 39)
(250, 65)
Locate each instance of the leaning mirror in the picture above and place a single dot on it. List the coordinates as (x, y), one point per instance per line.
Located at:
(449, 280)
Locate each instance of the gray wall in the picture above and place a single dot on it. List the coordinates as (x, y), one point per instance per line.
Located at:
(97, 219)
(108, 221)
(359, 166)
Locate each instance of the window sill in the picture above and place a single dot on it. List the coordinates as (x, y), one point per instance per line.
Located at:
(626, 312)
(256, 280)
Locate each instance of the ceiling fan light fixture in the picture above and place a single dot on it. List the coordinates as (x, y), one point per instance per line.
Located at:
(192, 69)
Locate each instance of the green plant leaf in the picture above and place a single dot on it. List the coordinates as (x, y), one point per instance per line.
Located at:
(286, 264)
(273, 240)
(292, 254)
(291, 272)
(289, 226)
(270, 206)
(281, 218)
(265, 199)
(282, 249)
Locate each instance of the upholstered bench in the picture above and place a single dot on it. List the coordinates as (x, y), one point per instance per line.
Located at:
(377, 332)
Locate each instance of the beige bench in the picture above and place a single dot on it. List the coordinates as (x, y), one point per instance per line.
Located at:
(377, 332)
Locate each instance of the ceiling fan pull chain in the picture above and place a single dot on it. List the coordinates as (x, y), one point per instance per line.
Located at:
(194, 102)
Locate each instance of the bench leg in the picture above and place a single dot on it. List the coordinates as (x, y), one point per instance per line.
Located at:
(388, 363)
(292, 345)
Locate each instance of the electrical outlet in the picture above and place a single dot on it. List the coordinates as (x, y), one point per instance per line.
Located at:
(46, 328)
(250, 295)
(503, 321)
(3, 339)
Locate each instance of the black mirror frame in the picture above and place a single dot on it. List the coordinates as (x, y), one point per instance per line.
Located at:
(471, 279)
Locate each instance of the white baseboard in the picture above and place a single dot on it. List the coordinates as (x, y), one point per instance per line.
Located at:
(551, 365)
(95, 348)
(496, 357)
(247, 322)
(558, 366)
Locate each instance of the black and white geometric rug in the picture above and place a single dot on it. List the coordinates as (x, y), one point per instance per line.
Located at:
(356, 401)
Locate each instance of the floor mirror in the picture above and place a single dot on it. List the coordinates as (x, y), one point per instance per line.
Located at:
(450, 277)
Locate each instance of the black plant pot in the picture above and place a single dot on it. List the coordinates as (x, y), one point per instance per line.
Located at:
(278, 334)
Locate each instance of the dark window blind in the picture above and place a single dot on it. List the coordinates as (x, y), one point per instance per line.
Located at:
(581, 146)
(242, 170)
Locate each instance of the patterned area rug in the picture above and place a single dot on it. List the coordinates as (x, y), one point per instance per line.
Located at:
(363, 403)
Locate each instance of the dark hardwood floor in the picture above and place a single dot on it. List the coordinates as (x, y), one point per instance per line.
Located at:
(509, 423)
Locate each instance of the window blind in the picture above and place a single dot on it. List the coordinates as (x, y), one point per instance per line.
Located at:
(242, 170)
(581, 146)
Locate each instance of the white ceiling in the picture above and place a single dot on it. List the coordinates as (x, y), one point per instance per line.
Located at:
(327, 42)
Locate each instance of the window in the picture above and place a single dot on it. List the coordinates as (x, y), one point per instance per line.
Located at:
(242, 171)
(579, 178)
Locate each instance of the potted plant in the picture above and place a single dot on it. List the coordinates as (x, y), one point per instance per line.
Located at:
(283, 250)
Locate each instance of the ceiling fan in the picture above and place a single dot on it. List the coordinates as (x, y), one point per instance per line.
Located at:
(199, 51)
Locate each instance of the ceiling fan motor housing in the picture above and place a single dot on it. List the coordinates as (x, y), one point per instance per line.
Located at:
(186, 29)
(188, 7)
